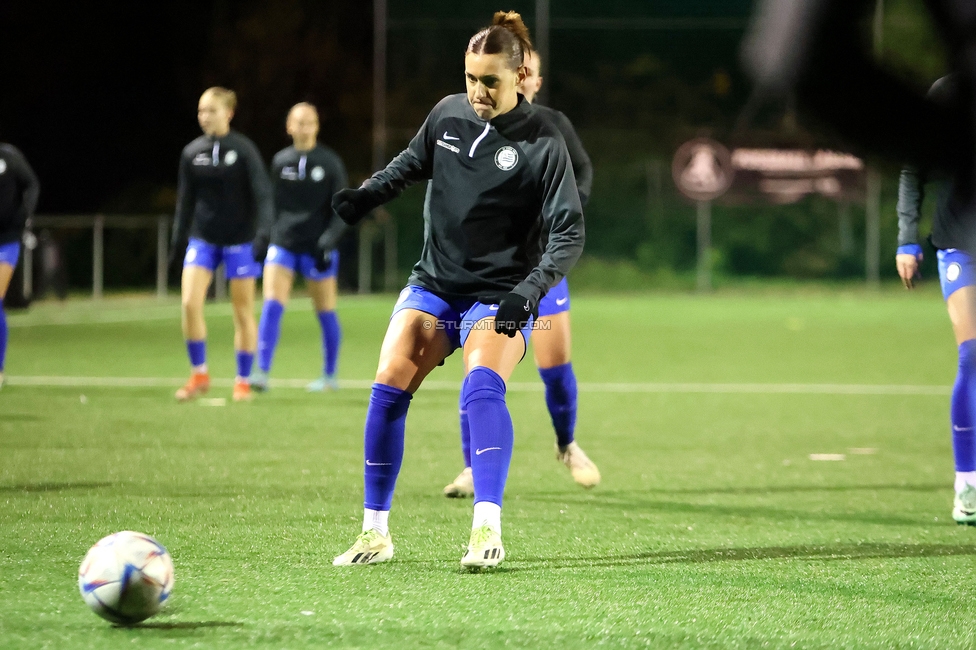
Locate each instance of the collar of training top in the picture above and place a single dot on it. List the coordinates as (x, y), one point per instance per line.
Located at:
(513, 119)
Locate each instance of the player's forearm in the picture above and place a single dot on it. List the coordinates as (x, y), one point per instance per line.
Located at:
(911, 193)
(562, 252)
(388, 183)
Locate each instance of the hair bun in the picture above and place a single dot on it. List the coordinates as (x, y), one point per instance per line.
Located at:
(512, 21)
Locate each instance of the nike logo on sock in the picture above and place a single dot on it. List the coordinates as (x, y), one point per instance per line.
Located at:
(478, 452)
(955, 428)
(561, 301)
(371, 464)
(449, 137)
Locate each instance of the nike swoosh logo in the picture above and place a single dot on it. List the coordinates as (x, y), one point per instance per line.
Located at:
(493, 307)
(376, 464)
(955, 428)
(449, 137)
(561, 301)
(478, 452)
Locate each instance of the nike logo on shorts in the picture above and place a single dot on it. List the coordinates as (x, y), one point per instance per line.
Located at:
(561, 301)
(478, 452)
(493, 307)
(371, 464)
(243, 269)
(449, 137)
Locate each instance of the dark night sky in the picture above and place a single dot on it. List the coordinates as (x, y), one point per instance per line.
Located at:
(101, 95)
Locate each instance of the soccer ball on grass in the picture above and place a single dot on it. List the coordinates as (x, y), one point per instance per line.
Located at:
(126, 577)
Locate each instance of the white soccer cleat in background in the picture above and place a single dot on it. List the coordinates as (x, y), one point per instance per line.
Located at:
(964, 506)
(583, 469)
(370, 548)
(462, 487)
(484, 549)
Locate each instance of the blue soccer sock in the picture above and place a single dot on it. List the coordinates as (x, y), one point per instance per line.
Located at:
(197, 351)
(465, 431)
(244, 362)
(963, 406)
(269, 329)
(561, 395)
(331, 337)
(383, 444)
(3, 335)
(492, 435)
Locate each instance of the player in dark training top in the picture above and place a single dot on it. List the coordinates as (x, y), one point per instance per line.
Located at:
(953, 226)
(224, 209)
(303, 239)
(551, 338)
(503, 224)
(19, 191)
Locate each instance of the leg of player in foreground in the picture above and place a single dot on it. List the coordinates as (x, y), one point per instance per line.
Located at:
(278, 281)
(324, 295)
(551, 344)
(194, 284)
(8, 260)
(413, 346)
(962, 311)
(958, 277)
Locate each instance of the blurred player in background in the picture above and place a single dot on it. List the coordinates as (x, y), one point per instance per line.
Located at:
(551, 338)
(223, 204)
(952, 227)
(303, 238)
(19, 191)
(500, 180)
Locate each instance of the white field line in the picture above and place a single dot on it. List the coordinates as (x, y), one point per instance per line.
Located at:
(521, 387)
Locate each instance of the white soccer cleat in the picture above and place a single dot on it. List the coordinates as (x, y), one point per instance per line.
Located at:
(583, 469)
(964, 506)
(462, 487)
(370, 548)
(484, 549)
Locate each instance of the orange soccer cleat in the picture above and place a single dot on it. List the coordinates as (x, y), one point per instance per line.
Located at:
(242, 391)
(198, 384)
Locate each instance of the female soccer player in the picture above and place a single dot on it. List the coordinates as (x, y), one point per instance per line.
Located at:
(304, 237)
(223, 203)
(19, 190)
(551, 337)
(500, 183)
(952, 230)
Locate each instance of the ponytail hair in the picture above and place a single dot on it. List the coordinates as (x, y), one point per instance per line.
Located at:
(507, 35)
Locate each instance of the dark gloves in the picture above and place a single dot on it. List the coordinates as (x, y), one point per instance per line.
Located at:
(177, 250)
(514, 312)
(323, 260)
(259, 248)
(353, 205)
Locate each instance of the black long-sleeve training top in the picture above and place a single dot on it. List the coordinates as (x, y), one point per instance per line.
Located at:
(497, 189)
(582, 166)
(954, 222)
(223, 192)
(19, 191)
(304, 182)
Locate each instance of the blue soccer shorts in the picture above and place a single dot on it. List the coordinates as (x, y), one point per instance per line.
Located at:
(301, 262)
(955, 270)
(456, 317)
(556, 301)
(10, 253)
(238, 260)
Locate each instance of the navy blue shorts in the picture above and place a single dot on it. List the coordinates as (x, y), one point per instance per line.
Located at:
(955, 271)
(457, 318)
(301, 262)
(238, 260)
(10, 253)
(556, 301)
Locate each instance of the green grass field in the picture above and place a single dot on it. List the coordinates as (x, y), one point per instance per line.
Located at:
(713, 527)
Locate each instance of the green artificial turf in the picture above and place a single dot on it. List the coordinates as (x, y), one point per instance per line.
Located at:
(712, 527)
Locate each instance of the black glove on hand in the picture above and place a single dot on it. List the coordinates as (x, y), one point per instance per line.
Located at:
(259, 248)
(176, 251)
(514, 312)
(352, 205)
(323, 260)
